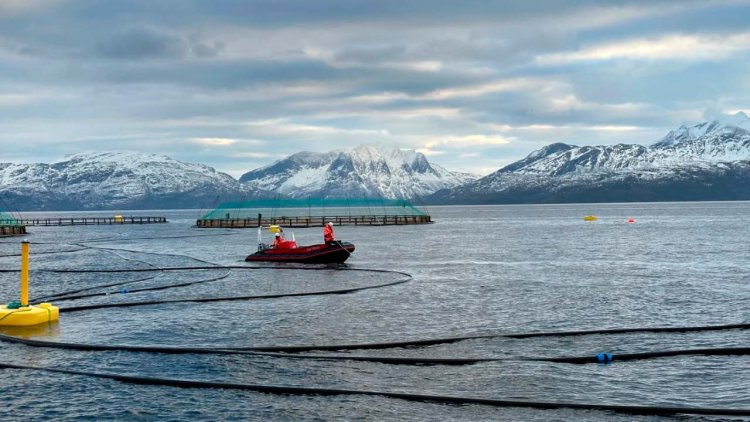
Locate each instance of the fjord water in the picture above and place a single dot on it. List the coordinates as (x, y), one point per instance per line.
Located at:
(477, 270)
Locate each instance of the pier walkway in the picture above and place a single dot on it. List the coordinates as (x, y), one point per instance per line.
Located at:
(12, 230)
(89, 221)
(314, 221)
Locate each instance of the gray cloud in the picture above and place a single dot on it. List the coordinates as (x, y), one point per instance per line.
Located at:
(142, 44)
(452, 78)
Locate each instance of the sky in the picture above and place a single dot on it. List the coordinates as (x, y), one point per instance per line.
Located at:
(474, 85)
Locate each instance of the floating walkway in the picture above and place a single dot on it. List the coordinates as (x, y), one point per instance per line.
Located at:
(91, 221)
(314, 213)
(10, 226)
(292, 222)
(12, 230)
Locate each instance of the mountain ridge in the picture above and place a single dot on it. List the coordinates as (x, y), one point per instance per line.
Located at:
(362, 171)
(679, 162)
(134, 180)
(702, 161)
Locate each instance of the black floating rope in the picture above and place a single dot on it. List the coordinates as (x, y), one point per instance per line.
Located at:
(142, 289)
(78, 293)
(74, 294)
(311, 391)
(598, 358)
(273, 351)
(406, 278)
(609, 357)
(743, 326)
(208, 350)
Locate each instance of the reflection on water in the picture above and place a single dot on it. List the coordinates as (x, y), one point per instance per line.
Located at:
(49, 330)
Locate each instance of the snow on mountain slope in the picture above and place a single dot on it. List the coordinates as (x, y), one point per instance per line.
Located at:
(114, 180)
(363, 171)
(702, 151)
(710, 142)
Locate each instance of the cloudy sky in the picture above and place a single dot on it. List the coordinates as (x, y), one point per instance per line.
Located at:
(476, 85)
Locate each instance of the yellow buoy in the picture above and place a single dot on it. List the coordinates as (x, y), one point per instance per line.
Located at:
(118, 219)
(13, 316)
(590, 218)
(275, 228)
(20, 313)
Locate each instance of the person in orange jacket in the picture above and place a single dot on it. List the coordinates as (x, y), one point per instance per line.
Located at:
(277, 240)
(328, 234)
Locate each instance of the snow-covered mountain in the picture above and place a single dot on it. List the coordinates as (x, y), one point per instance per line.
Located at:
(131, 180)
(704, 161)
(114, 180)
(364, 171)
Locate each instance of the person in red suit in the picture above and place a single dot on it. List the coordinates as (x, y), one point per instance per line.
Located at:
(328, 234)
(277, 241)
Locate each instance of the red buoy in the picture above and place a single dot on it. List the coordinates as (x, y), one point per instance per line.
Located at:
(631, 220)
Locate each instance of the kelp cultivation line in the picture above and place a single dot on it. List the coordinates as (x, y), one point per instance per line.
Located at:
(313, 391)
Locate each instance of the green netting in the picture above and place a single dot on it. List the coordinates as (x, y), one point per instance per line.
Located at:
(8, 220)
(313, 207)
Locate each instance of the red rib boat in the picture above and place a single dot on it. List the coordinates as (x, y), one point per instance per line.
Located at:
(335, 252)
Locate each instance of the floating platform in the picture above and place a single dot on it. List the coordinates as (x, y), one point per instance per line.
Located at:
(298, 222)
(28, 315)
(314, 212)
(91, 221)
(12, 230)
(10, 226)
(19, 313)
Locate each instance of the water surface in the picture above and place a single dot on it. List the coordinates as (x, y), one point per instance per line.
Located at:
(477, 270)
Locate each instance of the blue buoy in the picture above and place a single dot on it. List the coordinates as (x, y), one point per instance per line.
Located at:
(604, 357)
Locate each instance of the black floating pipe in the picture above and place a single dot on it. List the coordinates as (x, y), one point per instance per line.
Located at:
(740, 326)
(232, 298)
(609, 357)
(272, 352)
(273, 389)
(215, 350)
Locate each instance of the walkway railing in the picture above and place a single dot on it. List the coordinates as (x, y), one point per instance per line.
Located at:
(88, 221)
(11, 230)
(313, 221)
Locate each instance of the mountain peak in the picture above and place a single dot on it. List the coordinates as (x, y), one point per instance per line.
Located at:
(115, 180)
(738, 119)
(361, 171)
(691, 132)
(704, 161)
(537, 155)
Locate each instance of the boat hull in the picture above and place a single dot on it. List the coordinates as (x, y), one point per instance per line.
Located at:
(336, 252)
